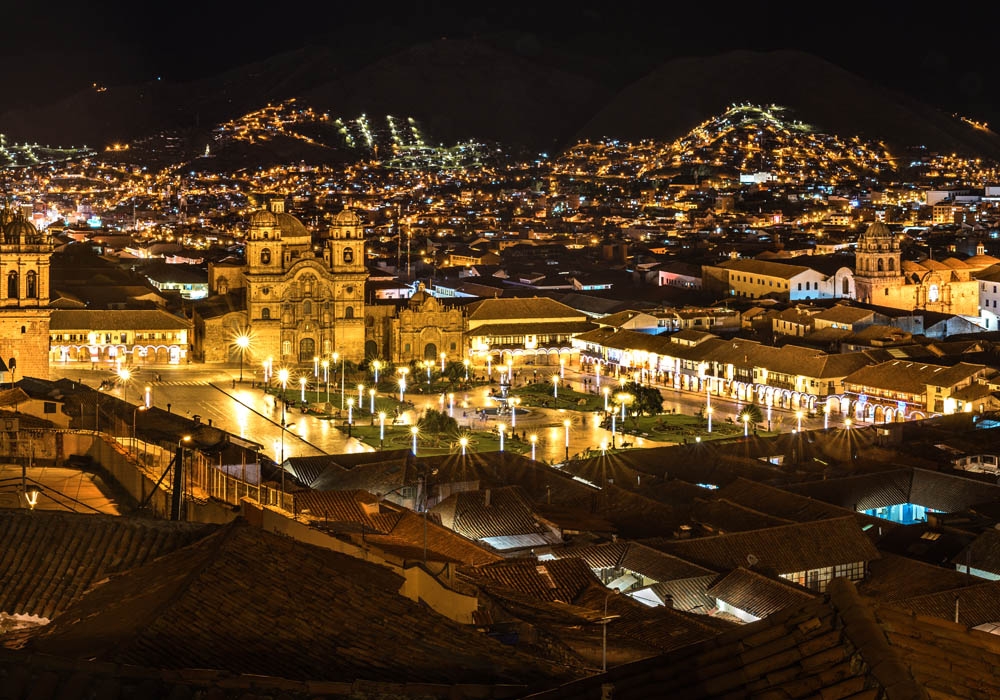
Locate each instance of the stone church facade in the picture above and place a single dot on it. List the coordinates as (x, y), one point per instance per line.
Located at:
(298, 301)
(25, 256)
(882, 278)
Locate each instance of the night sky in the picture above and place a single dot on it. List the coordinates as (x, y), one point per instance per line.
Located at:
(946, 57)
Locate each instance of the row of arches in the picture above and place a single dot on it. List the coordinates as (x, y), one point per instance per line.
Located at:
(138, 354)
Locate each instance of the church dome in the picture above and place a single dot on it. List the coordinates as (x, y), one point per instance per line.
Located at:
(263, 218)
(877, 232)
(20, 230)
(291, 227)
(346, 218)
(6, 216)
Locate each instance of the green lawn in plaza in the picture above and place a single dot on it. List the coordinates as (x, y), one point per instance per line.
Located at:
(399, 437)
(541, 394)
(678, 427)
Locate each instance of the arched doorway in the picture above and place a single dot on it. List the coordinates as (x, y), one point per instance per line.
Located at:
(307, 350)
(371, 349)
(431, 351)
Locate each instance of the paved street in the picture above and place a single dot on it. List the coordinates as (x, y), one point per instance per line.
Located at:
(208, 392)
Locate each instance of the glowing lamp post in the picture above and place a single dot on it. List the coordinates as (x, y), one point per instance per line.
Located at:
(316, 366)
(381, 429)
(566, 430)
(463, 442)
(534, 441)
(555, 386)
(513, 412)
(613, 416)
(466, 363)
(413, 431)
(326, 378)
(148, 400)
(361, 396)
(502, 428)
(242, 343)
(350, 411)
(798, 414)
(302, 386)
(451, 405)
(847, 422)
(376, 365)
(371, 397)
(562, 368)
(709, 413)
(746, 425)
(124, 376)
(443, 357)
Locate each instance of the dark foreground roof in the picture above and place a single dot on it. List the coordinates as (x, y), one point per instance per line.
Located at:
(842, 645)
(246, 601)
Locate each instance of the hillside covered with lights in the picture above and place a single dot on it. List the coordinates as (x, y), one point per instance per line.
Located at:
(465, 91)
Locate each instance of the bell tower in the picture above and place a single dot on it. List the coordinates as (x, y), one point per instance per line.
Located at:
(345, 257)
(25, 258)
(878, 274)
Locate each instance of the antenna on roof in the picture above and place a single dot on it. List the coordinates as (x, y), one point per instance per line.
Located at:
(752, 560)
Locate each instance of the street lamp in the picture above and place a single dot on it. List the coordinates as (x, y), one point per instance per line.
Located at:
(242, 342)
(614, 415)
(502, 428)
(350, 413)
(376, 365)
(555, 386)
(464, 442)
(562, 368)
(513, 412)
(746, 424)
(534, 441)
(134, 412)
(326, 378)
(466, 363)
(302, 386)
(451, 405)
(798, 414)
(124, 376)
(316, 366)
(381, 429)
(709, 412)
(826, 415)
(443, 357)
(847, 422)
(566, 428)
(413, 431)
(361, 396)
(148, 400)
(283, 378)
(427, 365)
(371, 397)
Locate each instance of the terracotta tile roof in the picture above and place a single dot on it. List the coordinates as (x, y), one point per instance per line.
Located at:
(842, 645)
(787, 504)
(685, 594)
(248, 601)
(843, 313)
(23, 675)
(723, 515)
(359, 507)
(519, 328)
(124, 319)
(757, 594)
(498, 512)
(634, 556)
(784, 549)
(943, 492)
(48, 558)
(893, 577)
(518, 309)
(977, 604)
(764, 267)
(552, 579)
(912, 377)
(982, 553)
(410, 527)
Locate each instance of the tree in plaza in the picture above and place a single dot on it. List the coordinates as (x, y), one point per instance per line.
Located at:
(646, 400)
(437, 422)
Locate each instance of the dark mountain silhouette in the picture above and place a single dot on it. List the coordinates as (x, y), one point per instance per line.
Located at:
(462, 89)
(478, 89)
(683, 92)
